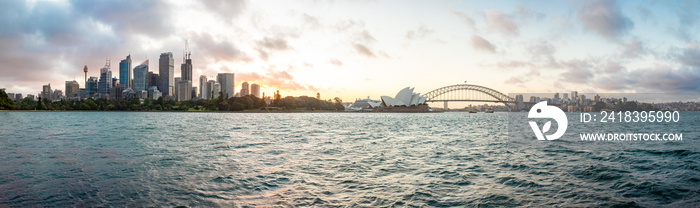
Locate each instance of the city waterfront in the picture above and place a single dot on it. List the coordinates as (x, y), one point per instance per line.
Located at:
(142, 159)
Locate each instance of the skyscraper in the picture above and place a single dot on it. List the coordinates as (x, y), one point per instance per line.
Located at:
(185, 90)
(46, 92)
(255, 90)
(226, 82)
(212, 89)
(91, 87)
(154, 80)
(202, 84)
(72, 89)
(186, 67)
(125, 72)
(245, 90)
(166, 66)
(177, 88)
(140, 74)
(185, 84)
(105, 81)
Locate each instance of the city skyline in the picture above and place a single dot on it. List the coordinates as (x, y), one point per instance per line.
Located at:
(369, 48)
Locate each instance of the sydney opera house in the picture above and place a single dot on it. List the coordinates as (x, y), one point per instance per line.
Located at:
(405, 101)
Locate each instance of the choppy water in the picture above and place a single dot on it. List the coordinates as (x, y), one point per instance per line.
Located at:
(140, 159)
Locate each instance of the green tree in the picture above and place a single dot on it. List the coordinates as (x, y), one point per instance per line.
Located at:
(5, 102)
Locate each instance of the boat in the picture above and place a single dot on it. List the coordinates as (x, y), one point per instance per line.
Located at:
(472, 111)
(489, 111)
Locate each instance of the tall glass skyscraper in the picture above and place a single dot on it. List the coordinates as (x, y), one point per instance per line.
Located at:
(166, 67)
(105, 81)
(141, 77)
(125, 72)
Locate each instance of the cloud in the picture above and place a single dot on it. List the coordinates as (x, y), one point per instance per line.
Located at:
(499, 22)
(365, 37)
(219, 50)
(527, 13)
(605, 18)
(225, 9)
(577, 71)
(419, 33)
(690, 57)
(665, 79)
(268, 45)
(275, 43)
(280, 79)
(336, 62)
(482, 44)
(362, 49)
(514, 80)
(466, 19)
(645, 13)
(633, 49)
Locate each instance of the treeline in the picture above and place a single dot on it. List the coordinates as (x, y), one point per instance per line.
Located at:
(226, 104)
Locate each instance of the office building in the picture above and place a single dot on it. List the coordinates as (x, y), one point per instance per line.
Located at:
(72, 89)
(57, 94)
(125, 72)
(185, 90)
(245, 90)
(105, 81)
(177, 89)
(213, 89)
(140, 74)
(202, 88)
(255, 90)
(166, 66)
(226, 82)
(91, 87)
(154, 93)
(186, 79)
(46, 92)
(18, 97)
(154, 79)
(194, 93)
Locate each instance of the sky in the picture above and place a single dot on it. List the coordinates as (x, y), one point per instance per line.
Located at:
(355, 49)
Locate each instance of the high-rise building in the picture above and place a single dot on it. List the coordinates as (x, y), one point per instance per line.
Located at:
(154, 80)
(185, 83)
(177, 88)
(125, 72)
(46, 92)
(140, 74)
(72, 89)
(154, 93)
(91, 87)
(186, 67)
(216, 87)
(245, 90)
(202, 86)
(105, 81)
(226, 82)
(18, 97)
(255, 90)
(185, 90)
(166, 66)
(57, 94)
(212, 89)
(194, 93)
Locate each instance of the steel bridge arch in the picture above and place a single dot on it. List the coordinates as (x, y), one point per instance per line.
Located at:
(499, 96)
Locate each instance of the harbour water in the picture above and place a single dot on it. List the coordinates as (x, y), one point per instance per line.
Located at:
(141, 159)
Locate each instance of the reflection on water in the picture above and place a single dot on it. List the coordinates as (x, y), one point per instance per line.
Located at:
(326, 159)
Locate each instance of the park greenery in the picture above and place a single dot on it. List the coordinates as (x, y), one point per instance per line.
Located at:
(302, 103)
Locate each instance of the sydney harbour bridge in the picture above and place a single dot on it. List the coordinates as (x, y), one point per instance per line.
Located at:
(472, 93)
